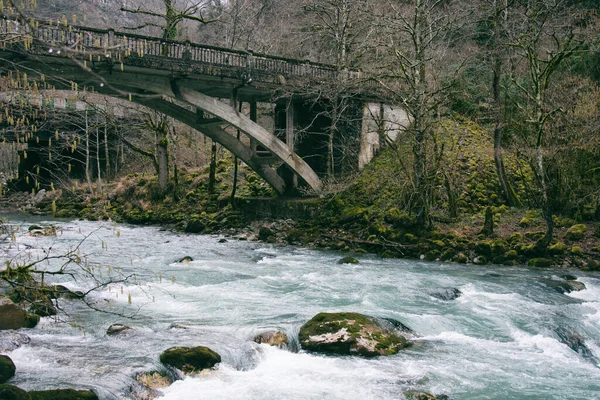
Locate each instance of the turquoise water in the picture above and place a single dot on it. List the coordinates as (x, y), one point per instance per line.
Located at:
(499, 340)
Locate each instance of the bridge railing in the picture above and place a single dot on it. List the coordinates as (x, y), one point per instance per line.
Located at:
(84, 41)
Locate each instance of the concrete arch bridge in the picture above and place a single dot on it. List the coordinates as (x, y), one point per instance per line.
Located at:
(202, 86)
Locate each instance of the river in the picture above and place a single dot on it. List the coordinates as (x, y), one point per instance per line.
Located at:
(501, 339)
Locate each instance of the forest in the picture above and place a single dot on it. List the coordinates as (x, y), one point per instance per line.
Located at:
(503, 138)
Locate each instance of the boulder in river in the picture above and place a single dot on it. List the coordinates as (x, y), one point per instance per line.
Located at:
(412, 395)
(10, 340)
(48, 230)
(190, 359)
(185, 260)
(564, 286)
(147, 385)
(42, 306)
(575, 342)
(63, 394)
(7, 368)
(348, 260)
(446, 293)
(349, 333)
(116, 329)
(10, 392)
(13, 317)
(273, 338)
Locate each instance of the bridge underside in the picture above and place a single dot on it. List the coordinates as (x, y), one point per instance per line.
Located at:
(181, 96)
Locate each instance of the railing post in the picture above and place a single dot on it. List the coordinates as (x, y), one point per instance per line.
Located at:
(187, 51)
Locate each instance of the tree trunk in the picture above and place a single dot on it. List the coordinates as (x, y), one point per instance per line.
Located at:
(213, 167)
(87, 155)
(106, 154)
(162, 158)
(98, 160)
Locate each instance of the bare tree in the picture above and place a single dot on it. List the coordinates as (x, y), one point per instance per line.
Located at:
(542, 41)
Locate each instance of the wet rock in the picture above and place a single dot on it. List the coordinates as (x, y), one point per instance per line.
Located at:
(13, 317)
(349, 333)
(116, 329)
(49, 230)
(348, 260)
(575, 342)
(540, 262)
(185, 260)
(273, 338)
(7, 368)
(190, 359)
(446, 293)
(148, 384)
(10, 340)
(222, 240)
(10, 392)
(412, 395)
(393, 325)
(63, 394)
(564, 286)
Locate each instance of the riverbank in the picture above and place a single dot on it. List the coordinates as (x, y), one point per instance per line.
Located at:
(331, 222)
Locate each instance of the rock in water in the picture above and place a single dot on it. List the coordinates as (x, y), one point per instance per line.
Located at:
(63, 394)
(10, 341)
(348, 260)
(349, 333)
(576, 342)
(147, 384)
(12, 317)
(115, 329)
(7, 368)
(190, 359)
(446, 294)
(185, 260)
(10, 392)
(272, 338)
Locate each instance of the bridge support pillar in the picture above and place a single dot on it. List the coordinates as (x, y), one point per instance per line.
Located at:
(290, 135)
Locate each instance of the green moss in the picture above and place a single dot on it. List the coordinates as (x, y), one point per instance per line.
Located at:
(540, 262)
(557, 248)
(410, 238)
(593, 265)
(525, 222)
(461, 258)
(190, 359)
(515, 238)
(511, 255)
(63, 394)
(348, 260)
(483, 248)
(534, 236)
(576, 232)
(577, 251)
(499, 247)
(447, 255)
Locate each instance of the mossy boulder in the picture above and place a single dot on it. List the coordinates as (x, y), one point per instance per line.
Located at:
(272, 338)
(148, 384)
(7, 368)
(190, 359)
(557, 248)
(10, 392)
(60, 291)
(576, 232)
(577, 251)
(348, 333)
(461, 258)
(13, 317)
(264, 233)
(525, 222)
(348, 260)
(515, 238)
(43, 307)
(63, 394)
(194, 226)
(540, 262)
(483, 248)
